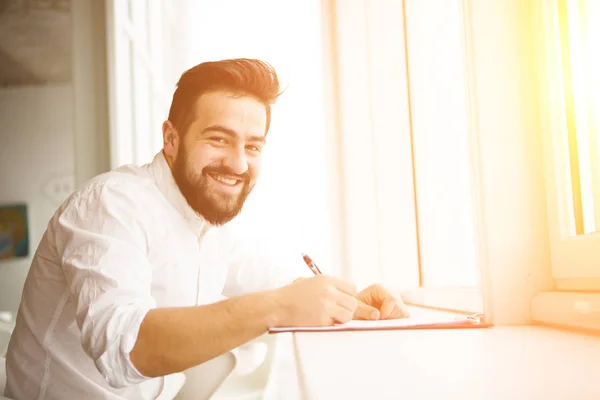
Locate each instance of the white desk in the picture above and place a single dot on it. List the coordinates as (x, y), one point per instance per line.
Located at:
(527, 363)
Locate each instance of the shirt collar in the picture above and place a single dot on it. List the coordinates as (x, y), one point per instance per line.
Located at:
(163, 176)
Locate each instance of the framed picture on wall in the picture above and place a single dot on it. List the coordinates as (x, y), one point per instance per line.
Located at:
(14, 231)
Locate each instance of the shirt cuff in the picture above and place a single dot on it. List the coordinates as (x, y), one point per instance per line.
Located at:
(115, 364)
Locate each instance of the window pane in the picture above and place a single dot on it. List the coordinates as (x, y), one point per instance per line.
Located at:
(141, 24)
(570, 103)
(579, 38)
(440, 143)
(142, 102)
(130, 6)
(123, 137)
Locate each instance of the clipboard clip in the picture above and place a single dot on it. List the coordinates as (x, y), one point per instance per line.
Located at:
(476, 318)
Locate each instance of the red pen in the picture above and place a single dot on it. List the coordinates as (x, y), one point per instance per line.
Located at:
(311, 264)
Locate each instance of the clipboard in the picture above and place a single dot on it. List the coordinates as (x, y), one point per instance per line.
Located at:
(470, 322)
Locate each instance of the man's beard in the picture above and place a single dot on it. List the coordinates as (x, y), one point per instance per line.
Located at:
(215, 207)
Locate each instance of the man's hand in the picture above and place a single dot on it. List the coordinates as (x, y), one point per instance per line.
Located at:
(317, 301)
(377, 303)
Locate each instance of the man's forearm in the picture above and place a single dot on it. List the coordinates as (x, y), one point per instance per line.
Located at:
(174, 339)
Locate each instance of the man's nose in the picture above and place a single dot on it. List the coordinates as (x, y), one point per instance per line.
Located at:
(236, 161)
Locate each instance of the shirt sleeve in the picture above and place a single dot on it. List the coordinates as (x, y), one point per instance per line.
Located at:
(104, 242)
(250, 271)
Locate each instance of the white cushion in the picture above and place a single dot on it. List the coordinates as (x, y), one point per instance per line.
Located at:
(2, 377)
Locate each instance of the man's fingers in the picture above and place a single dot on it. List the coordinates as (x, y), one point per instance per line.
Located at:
(387, 307)
(399, 311)
(341, 314)
(392, 309)
(344, 286)
(366, 312)
(346, 301)
(402, 310)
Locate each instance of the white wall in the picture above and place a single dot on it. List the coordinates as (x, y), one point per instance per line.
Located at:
(36, 154)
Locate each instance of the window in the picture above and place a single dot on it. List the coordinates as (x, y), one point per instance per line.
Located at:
(142, 53)
(442, 162)
(404, 145)
(430, 136)
(570, 94)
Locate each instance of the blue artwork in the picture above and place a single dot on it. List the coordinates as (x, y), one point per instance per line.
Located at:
(14, 232)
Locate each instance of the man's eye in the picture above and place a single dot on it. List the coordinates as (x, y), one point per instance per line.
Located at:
(220, 140)
(254, 149)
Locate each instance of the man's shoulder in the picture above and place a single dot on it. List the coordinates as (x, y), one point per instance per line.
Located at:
(129, 184)
(125, 181)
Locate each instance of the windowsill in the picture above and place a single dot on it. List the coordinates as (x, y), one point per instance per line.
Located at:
(567, 310)
(498, 363)
(461, 300)
(578, 311)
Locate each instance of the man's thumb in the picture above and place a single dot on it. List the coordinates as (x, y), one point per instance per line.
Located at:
(364, 311)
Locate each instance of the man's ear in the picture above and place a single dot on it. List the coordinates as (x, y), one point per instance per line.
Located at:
(171, 141)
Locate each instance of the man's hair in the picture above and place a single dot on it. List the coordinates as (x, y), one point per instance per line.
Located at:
(239, 76)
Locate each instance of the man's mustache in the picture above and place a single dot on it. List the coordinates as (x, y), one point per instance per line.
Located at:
(245, 177)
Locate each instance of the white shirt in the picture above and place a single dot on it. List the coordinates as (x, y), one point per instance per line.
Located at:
(125, 243)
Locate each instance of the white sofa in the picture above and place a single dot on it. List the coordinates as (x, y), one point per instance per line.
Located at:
(2, 378)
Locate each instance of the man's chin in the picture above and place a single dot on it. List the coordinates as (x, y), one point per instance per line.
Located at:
(220, 215)
(219, 219)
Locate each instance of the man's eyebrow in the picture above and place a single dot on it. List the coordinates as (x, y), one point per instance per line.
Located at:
(219, 128)
(232, 133)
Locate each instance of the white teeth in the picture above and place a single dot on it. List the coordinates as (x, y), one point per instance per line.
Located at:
(224, 180)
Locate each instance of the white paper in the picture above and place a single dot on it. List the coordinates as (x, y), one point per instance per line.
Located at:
(373, 325)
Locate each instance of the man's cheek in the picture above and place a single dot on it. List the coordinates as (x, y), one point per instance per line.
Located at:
(254, 171)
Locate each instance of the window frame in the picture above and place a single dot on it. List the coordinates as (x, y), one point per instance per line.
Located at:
(456, 298)
(574, 259)
(361, 239)
(505, 139)
(574, 301)
(133, 127)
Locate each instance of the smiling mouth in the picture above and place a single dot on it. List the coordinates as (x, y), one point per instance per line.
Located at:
(225, 180)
